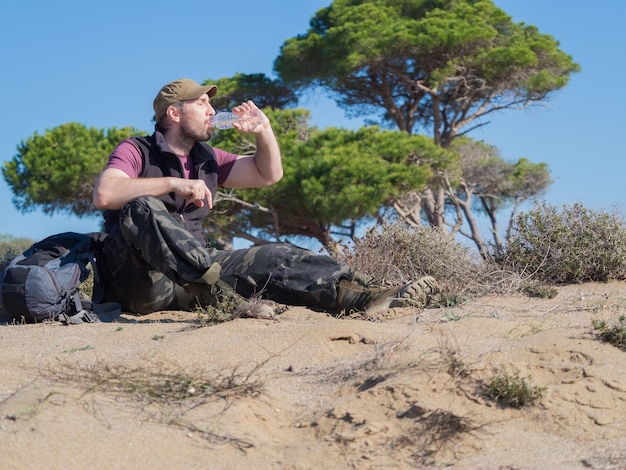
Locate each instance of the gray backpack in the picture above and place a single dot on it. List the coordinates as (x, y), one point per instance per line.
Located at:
(43, 282)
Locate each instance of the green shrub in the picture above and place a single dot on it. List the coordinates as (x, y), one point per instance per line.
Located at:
(571, 245)
(509, 389)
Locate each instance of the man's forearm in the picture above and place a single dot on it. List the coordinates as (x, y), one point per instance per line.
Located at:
(267, 157)
(113, 193)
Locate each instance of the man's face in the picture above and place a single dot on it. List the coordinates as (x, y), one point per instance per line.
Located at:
(196, 119)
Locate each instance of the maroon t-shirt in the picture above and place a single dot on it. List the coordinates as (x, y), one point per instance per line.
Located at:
(127, 158)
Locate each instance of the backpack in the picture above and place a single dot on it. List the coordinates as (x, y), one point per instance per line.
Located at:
(43, 282)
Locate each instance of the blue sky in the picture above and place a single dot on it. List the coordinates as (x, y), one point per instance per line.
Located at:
(100, 64)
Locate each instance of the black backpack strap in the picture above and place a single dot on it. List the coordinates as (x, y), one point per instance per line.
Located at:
(97, 246)
(81, 315)
(89, 312)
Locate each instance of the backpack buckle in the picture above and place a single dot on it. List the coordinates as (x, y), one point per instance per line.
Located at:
(83, 316)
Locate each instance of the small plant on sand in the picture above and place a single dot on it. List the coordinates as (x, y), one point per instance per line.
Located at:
(539, 290)
(452, 316)
(450, 300)
(227, 310)
(512, 389)
(209, 315)
(456, 366)
(614, 334)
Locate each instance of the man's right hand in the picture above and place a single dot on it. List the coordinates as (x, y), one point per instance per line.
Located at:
(194, 191)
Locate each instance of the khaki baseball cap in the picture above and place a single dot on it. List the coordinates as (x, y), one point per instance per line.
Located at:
(179, 90)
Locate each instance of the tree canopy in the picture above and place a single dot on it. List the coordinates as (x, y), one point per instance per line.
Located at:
(265, 92)
(438, 65)
(56, 171)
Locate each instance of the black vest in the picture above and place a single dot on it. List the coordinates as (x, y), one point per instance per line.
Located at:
(158, 161)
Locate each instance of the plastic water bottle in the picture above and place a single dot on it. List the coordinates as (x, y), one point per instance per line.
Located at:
(226, 119)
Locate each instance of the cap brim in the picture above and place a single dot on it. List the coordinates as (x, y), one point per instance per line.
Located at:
(212, 90)
(198, 92)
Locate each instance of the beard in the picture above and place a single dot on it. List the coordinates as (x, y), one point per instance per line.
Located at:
(195, 131)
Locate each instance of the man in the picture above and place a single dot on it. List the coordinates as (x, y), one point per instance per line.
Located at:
(156, 191)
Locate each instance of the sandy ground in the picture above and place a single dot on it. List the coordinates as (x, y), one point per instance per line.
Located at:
(311, 391)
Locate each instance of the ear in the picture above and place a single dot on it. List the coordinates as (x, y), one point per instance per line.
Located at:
(173, 113)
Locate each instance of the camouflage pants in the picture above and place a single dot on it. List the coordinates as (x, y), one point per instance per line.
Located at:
(149, 255)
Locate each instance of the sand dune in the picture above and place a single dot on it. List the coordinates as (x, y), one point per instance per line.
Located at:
(307, 390)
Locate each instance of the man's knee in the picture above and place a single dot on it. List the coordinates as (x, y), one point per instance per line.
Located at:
(140, 210)
(279, 254)
(143, 215)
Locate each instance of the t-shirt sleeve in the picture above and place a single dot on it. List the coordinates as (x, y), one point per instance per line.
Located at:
(225, 162)
(127, 158)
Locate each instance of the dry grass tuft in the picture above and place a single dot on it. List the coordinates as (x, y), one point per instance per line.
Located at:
(166, 393)
(167, 385)
(227, 310)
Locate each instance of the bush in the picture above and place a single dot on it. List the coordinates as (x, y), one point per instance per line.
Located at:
(544, 246)
(570, 245)
(394, 253)
(10, 247)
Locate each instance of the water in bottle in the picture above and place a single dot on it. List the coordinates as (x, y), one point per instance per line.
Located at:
(226, 119)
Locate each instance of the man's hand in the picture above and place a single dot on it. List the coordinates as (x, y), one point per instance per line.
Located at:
(194, 191)
(254, 122)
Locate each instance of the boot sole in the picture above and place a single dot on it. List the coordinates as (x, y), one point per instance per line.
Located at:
(415, 294)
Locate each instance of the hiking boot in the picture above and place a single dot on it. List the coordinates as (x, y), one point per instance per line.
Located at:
(358, 295)
(213, 291)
